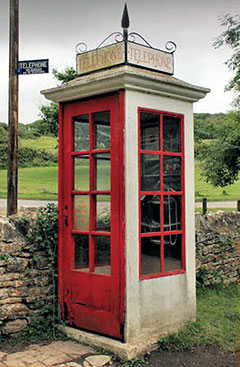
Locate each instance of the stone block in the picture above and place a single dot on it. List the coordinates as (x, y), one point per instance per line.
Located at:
(97, 361)
(8, 232)
(12, 327)
(10, 300)
(11, 248)
(15, 311)
(17, 292)
(16, 265)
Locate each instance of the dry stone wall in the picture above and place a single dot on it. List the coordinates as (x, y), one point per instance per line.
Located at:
(23, 281)
(217, 247)
(26, 282)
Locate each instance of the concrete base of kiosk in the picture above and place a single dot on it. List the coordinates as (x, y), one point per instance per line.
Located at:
(123, 351)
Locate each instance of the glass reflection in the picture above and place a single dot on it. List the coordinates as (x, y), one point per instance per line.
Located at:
(102, 129)
(171, 134)
(150, 213)
(172, 173)
(103, 213)
(81, 133)
(102, 255)
(149, 124)
(150, 172)
(81, 252)
(81, 212)
(172, 213)
(150, 255)
(81, 173)
(102, 171)
(172, 252)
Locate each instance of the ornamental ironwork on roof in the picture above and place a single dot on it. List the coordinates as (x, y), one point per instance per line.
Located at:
(125, 48)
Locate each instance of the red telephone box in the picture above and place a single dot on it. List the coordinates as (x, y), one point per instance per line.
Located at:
(91, 187)
(126, 194)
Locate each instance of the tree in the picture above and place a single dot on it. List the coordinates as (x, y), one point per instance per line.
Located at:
(221, 159)
(231, 37)
(48, 125)
(68, 74)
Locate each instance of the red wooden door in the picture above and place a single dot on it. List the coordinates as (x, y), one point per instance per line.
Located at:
(89, 221)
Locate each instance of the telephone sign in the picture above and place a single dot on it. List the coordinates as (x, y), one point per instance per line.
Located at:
(33, 67)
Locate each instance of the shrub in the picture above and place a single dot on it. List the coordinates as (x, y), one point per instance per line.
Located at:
(29, 157)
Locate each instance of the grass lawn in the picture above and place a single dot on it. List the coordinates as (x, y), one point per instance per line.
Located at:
(217, 321)
(34, 183)
(41, 183)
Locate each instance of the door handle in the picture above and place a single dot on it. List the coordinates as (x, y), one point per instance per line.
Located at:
(66, 220)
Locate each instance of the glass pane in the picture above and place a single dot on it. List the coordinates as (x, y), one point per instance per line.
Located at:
(150, 213)
(172, 173)
(81, 173)
(81, 133)
(150, 255)
(102, 130)
(150, 172)
(171, 134)
(172, 213)
(81, 252)
(102, 171)
(149, 124)
(81, 212)
(102, 255)
(172, 252)
(103, 213)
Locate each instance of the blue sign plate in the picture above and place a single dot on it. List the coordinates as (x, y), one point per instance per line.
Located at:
(33, 67)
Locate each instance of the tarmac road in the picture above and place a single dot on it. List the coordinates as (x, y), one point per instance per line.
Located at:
(37, 203)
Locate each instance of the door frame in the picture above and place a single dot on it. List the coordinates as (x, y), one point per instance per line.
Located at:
(62, 210)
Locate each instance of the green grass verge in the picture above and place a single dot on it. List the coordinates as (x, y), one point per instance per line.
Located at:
(41, 183)
(217, 321)
(38, 183)
(214, 210)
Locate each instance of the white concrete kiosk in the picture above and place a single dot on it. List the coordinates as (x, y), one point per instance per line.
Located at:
(153, 235)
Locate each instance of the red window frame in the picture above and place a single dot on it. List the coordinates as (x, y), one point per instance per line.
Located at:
(92, 192)
(162, 193)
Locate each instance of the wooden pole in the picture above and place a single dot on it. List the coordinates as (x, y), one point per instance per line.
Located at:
(204, 206)
(238, 205)
(12, 182)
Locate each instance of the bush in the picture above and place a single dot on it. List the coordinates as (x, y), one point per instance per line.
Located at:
(41, 233)
(29, 157)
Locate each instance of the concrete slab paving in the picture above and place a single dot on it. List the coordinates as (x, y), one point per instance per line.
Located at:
(56, 353)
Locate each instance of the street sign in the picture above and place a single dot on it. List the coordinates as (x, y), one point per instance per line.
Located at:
(33, 67)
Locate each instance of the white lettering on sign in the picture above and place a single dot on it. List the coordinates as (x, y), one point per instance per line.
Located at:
(33, 67)
(150, 58)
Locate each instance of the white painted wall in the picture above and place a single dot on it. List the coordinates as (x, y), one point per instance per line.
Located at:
(156, 306)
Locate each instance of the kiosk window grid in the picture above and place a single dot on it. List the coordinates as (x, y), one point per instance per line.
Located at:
(161, 194)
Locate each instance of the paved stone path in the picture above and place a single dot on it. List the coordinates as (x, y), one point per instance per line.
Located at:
(56, 353)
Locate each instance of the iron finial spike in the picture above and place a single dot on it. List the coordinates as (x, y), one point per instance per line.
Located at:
(125, 18)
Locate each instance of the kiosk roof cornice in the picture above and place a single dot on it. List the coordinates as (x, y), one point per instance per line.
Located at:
(125, 77)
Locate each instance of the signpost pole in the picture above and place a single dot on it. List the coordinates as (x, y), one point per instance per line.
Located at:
(12, 181)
